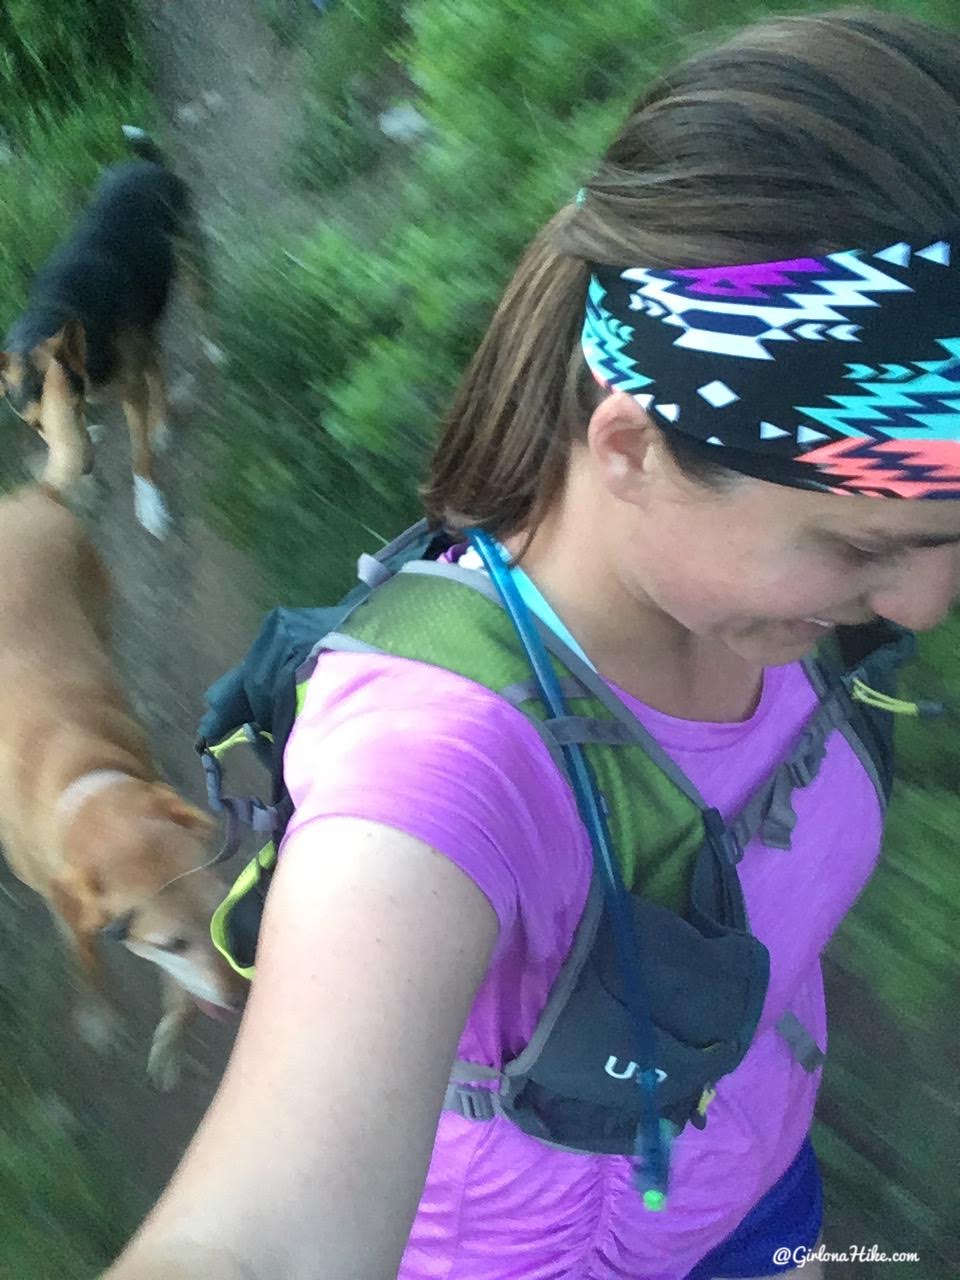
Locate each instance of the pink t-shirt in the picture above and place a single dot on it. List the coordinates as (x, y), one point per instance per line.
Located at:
(441, 758)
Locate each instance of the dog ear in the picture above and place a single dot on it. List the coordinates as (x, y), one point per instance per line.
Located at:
(184, 814)
(69, 346)
(78, 898)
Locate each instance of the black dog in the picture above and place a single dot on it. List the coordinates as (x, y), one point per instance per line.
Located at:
(90, 327)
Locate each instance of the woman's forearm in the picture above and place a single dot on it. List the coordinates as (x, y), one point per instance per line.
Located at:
(313, 1155)
(148, 1258)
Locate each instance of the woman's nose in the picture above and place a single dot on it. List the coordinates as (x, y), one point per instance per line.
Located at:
(924, 587)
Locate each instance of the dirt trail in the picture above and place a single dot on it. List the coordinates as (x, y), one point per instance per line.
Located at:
(186, 608)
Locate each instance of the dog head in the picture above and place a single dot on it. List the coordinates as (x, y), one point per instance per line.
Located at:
(123, 849)
(45, 385)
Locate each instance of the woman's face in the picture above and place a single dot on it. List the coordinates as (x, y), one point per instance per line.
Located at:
(761, 567)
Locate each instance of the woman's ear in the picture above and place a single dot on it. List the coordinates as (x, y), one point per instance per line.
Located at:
(622, 441)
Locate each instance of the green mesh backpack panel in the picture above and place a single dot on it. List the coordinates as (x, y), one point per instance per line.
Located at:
(440, 619)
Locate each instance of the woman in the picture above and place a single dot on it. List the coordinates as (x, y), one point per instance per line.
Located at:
(685, 447)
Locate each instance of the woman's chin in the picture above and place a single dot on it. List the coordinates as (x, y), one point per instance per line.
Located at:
(777, 643)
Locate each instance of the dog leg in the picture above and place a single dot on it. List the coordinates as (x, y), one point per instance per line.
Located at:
(82, 495)
(69, 452)
(98, 1025)
(97, 1022)
(158, 409)
(164, 1065)
(148, 501)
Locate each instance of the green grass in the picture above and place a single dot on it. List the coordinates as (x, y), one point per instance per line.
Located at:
(351, 56)
(60, 1211)
(52, 53)
(64, 1208)
(285, 18)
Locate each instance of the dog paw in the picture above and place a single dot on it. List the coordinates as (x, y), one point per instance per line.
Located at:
(165, 1062)
(216, 355)
(164, 1069)
(99, 1027)
(150, 507)
(161, 437)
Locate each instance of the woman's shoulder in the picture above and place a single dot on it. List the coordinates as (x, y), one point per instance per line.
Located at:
(405, 698)
(443, 759)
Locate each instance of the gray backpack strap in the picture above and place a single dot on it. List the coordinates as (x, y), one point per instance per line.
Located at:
(527, 691)
(801, 1043)
(472, 1102)
(372, 570)
(769, 812)
(564, 983)
(476, 579)
(464, 1096)
(343, 644)
(581, 729)
(827, 678)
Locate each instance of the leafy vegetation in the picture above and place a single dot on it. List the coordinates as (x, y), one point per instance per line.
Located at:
(350, 63)
(56, 55)
(64, 1208)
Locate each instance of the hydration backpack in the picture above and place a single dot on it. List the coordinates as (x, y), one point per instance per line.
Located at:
(705, 974)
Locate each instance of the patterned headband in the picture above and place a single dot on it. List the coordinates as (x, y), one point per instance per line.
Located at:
(839, 373)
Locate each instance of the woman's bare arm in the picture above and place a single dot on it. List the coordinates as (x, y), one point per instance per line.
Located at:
(312, 1158)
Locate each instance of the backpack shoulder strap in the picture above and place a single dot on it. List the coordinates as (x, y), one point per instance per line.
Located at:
(865, 661)
(461, 626)
(471, 635)
(258, 700)
(860, 658)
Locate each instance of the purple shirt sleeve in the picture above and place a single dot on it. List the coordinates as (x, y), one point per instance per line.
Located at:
(436, 756)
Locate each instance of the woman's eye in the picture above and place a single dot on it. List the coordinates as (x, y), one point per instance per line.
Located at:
(869, 555)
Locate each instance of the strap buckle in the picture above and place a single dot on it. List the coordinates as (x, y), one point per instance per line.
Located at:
(213, 777)
(469, 1101)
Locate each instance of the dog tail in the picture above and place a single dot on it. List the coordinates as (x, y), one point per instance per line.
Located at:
(192, 256)
(142, 145)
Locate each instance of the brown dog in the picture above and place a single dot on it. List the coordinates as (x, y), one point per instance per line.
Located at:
(84, 818)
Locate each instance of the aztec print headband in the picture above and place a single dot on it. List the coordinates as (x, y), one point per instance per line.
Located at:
(838, 373)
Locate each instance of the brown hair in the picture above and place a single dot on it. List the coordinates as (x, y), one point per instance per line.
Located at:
(801, 135)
